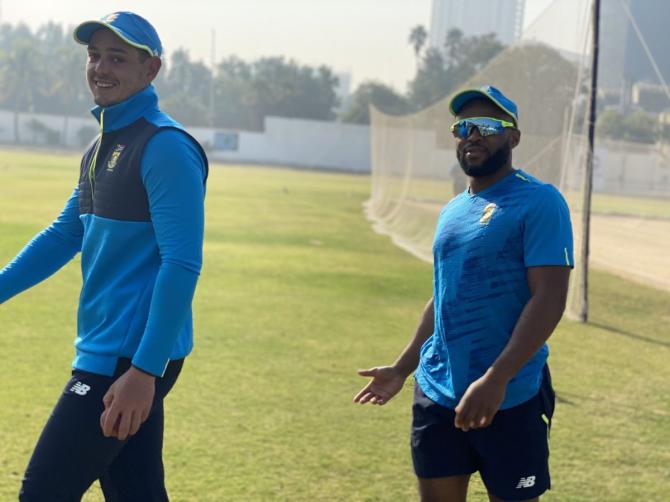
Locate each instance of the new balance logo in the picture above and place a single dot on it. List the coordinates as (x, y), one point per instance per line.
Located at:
(80, 388)
(526, 482)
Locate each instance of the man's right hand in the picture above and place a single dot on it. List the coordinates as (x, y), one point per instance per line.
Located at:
(386, 382)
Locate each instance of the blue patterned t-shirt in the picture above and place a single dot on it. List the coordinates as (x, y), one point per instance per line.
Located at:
(484, 243)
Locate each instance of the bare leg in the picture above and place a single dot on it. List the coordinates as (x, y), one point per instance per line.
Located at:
(449, 489)
(493, 498)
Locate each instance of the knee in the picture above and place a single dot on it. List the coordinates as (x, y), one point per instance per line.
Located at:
(35, 489)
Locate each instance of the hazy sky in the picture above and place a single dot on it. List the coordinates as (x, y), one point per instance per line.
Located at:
(367, 38)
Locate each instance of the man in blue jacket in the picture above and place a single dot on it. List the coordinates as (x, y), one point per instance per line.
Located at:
(137, 217)
(483, 400)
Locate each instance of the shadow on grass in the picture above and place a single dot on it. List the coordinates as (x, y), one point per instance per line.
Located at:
(561, 399)
(581, 400)
(635, 336)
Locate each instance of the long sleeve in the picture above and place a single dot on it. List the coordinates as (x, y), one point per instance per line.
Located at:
(173, 173)
(46, 253)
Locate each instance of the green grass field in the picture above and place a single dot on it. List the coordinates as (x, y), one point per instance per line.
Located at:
(297, 293)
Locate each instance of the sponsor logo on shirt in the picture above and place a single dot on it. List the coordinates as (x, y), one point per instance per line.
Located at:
(487, 213)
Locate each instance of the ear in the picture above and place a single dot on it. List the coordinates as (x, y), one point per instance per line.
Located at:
(152, 66)
(515, 137)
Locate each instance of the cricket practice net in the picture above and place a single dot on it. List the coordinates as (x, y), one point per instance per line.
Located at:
(415, 171)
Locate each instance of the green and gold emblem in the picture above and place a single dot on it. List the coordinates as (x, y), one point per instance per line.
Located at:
(111, 163)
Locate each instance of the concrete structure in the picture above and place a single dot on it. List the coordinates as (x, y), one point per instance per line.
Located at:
(287, 142)
(502, 17)
(623, 58)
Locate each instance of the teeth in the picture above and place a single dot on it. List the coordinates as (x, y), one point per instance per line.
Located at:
(103, 84)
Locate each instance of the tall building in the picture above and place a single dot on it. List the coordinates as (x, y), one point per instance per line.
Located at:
(502, 17)
(651, 18)
(343, 89)
(625, 65)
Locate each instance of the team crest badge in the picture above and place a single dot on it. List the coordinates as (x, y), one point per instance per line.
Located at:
(488, 213)
(111, 163)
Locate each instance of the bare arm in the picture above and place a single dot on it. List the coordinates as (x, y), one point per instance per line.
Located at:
(548, 287)
(387, 381)
(539, 318)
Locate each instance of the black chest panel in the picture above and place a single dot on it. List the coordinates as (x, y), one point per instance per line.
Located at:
(117, 191)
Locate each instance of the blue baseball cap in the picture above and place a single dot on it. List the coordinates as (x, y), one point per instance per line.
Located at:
(488, 92)
(131, 28)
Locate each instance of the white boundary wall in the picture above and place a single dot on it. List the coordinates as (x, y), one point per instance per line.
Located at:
(68, 127)
(297, 142)
(288, 142)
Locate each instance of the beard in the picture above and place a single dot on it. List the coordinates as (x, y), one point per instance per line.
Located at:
(493, 164)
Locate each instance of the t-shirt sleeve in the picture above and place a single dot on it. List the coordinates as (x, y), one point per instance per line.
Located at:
(547, 235)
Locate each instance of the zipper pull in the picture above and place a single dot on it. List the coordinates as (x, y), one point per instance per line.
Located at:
(92, 165)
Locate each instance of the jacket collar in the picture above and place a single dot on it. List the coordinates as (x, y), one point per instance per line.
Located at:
(126, 112)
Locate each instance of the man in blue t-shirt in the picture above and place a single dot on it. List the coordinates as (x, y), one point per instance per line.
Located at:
(502, 258)
(137, 217)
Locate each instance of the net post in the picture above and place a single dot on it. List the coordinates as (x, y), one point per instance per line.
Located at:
(588, 173)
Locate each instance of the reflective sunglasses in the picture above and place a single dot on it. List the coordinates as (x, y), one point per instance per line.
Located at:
(487, 126)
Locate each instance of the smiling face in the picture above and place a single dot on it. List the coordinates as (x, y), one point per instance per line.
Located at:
(116, 70)
(479, 155)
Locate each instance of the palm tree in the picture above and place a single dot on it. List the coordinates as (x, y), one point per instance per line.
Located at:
(417, 39)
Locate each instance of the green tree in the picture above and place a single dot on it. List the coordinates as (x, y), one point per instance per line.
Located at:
(417, 39)
(432, 81)
(441, 72)
(235, 104)
(611, 124)
(541, 82)
(466, 56)
(22, 78)
(641, 127)
(66, 91)
(288, 90)
(44, 72)
(247, 93)
(381, 96)
(637, 127)
(184, 89)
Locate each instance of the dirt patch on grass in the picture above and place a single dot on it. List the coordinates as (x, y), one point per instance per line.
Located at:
(634, 248)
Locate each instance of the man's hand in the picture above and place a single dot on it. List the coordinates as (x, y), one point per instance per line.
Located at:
(386, 383)
(127, 404)
(480, 403)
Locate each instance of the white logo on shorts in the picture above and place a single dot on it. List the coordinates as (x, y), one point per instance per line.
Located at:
(80, 388)
(526, 482)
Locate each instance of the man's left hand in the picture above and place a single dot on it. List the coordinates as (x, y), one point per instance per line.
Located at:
(127, 404)
(480, 403)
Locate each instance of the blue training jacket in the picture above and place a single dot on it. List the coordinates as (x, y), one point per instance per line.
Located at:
(137, 216)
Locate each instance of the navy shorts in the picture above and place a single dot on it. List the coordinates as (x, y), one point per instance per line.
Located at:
(511, 454)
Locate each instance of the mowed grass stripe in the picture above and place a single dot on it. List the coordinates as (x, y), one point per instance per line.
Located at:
(296, 293)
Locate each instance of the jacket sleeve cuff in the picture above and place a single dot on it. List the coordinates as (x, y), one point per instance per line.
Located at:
(153, 368)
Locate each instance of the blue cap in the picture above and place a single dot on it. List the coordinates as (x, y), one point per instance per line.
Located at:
(487, 92)
(131, 28)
